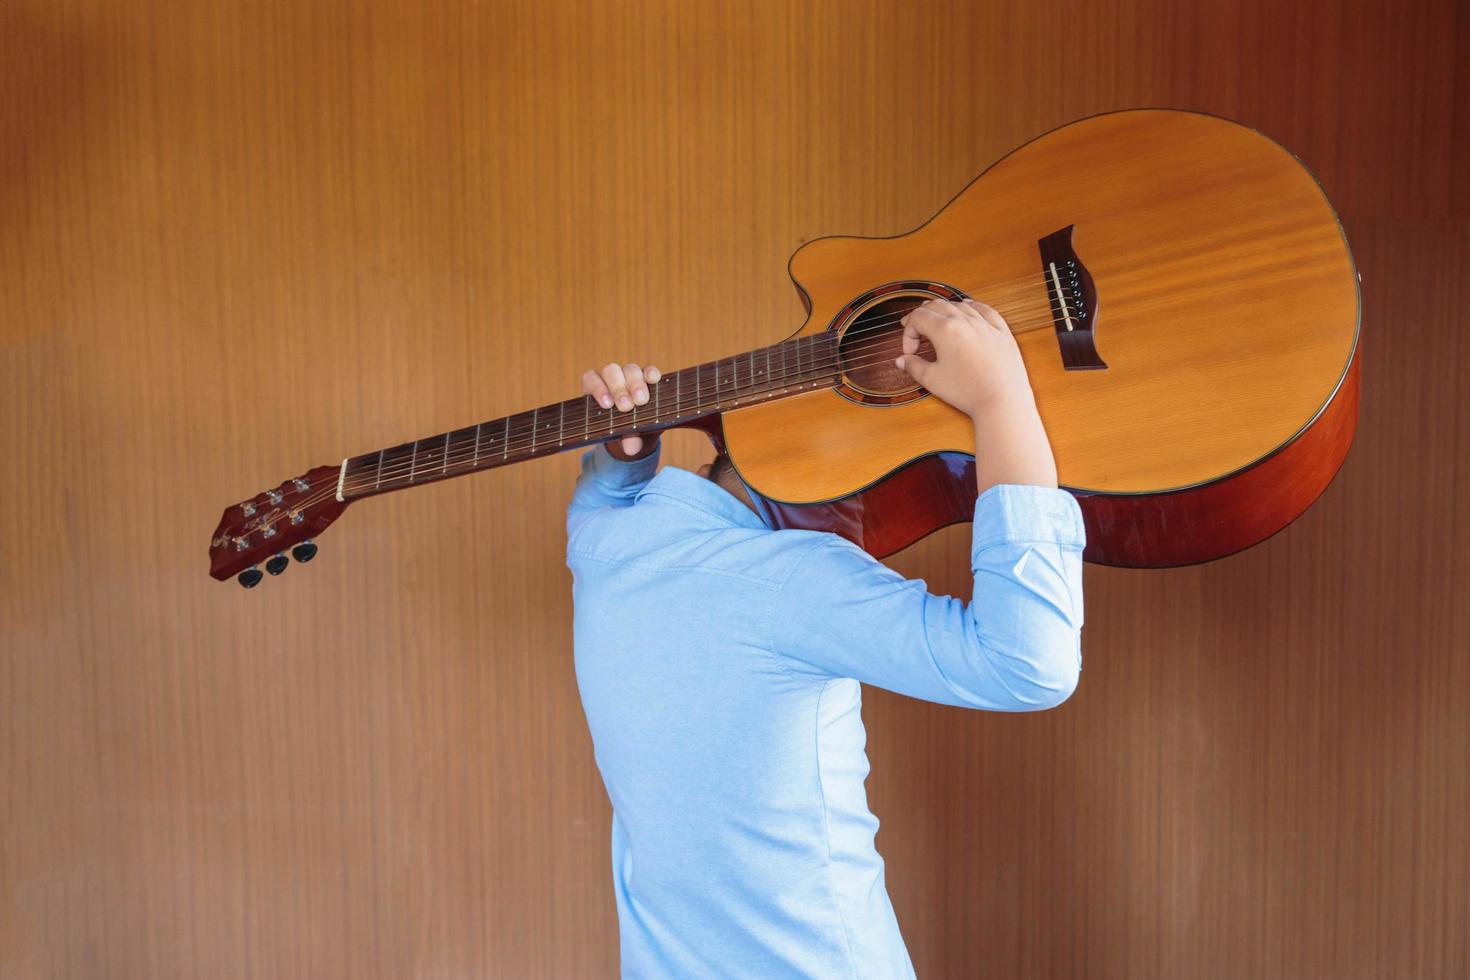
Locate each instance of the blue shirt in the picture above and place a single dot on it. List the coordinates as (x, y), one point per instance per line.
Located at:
(719, 664)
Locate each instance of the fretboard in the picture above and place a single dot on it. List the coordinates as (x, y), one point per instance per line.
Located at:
(678, 398)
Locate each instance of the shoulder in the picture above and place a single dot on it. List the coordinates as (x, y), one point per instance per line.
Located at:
(827, 558)
(664, 536)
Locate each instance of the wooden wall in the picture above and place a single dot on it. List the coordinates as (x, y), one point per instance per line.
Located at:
(241, 238)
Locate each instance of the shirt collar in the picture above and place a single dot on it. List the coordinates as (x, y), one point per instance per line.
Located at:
(704, 495)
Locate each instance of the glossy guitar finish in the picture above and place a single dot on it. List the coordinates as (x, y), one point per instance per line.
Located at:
(1226, 326)
(1182, 295)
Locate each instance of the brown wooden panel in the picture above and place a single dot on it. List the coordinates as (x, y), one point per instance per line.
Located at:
(240, 239)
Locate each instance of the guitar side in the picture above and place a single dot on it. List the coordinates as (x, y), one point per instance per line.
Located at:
(1156, 530)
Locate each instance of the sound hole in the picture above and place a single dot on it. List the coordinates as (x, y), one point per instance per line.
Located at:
(868, 348)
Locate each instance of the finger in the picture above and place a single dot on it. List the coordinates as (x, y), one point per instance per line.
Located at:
(909, 339)
(632, 445)
(971, 310)
(910, 343)
(918, 322)
(914, 366)
(618, 385)
(592, 385)
(652, 374)
(637, 387)
(991, 315)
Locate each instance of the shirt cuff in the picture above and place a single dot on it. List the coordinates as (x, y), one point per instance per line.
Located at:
(1014, 513)
(614, 475)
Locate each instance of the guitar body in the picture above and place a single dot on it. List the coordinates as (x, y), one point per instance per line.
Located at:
(1197, 381)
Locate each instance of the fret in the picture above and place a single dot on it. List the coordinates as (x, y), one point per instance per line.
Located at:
(378, 477)
(586, 417)
(697, 368)
(458, 448)
(561, 424)
(476, 461)
(391, 464)
(770, 379)
(444, 464)
(505, 439)
(717, 384)
(532, 447)
(735, 374)
(414, 461)
(678, 394)
(656, 387)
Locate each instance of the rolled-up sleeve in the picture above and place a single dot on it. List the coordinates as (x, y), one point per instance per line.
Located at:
(607, 482)
(1016, 646)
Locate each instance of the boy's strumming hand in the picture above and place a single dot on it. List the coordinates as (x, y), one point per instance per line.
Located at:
(977, 362)
(977, 368)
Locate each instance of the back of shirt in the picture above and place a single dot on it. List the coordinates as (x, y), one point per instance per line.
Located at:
(718, 663)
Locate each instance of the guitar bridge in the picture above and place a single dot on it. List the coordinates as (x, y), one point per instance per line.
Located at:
(1073, 298)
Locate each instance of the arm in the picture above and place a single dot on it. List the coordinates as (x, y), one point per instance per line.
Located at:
(613, 473)
(1017, 645)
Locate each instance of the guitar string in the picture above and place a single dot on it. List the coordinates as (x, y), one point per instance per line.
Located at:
(457, 454)
(994, 295)
(849, 351)
(1007, 298)
(520, 438)
(850, 356)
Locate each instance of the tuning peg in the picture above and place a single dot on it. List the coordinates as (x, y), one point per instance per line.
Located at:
(304, 552)
(277, 565)
(250, 578)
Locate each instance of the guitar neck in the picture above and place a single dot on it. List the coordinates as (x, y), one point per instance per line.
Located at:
(677, 398)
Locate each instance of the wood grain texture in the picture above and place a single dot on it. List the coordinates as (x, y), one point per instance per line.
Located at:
(1229, 311)
(240, 239)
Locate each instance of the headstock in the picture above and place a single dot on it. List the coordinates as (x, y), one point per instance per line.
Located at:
(263, 527)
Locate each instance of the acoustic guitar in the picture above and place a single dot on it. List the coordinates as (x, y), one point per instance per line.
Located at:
(1180, 289)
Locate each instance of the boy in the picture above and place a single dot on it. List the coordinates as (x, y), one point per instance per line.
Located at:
(719, 664)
